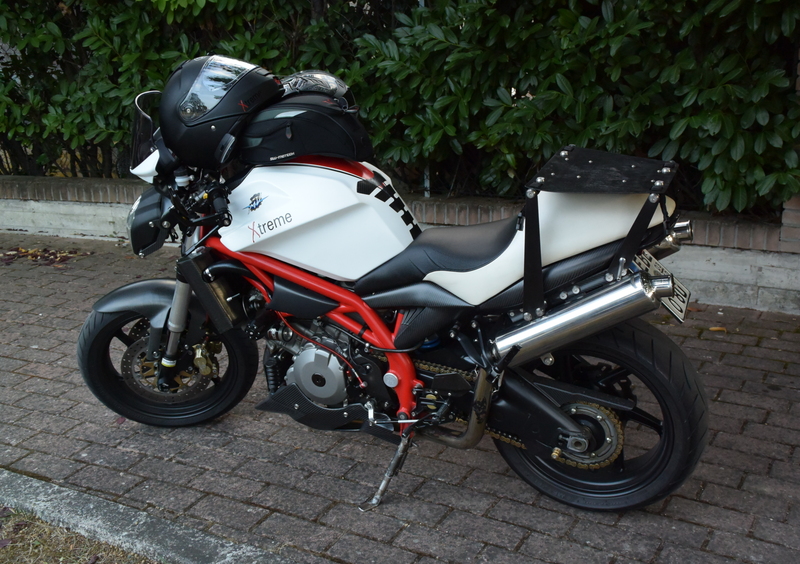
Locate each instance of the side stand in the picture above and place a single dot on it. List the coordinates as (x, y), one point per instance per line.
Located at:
(400, 455)
(391, 472)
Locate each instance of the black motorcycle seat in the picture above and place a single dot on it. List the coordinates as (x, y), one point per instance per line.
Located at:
(452, 249)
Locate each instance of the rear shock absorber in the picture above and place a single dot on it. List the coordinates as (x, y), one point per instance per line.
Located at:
(273, 373)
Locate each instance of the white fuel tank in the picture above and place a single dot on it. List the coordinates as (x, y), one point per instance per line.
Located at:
(336, 218)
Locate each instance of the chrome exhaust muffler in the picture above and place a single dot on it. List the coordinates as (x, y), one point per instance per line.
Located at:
(680, 232)
(602, 309)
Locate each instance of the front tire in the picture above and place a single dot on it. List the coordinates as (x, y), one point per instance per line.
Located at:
(111, 357)
(662, 438)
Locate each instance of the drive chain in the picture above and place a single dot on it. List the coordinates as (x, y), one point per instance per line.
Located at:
(432, 367)
(515, 441)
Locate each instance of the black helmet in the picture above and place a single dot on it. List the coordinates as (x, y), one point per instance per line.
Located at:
(205, 102)
(319, 81)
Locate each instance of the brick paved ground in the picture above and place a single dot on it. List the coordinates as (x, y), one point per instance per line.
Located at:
(261, 479)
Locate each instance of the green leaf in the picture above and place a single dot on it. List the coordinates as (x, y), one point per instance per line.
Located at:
(788, 22)
(762, 116)
(760, 144)
(711, 7)
(690, 97)
(615, 44)
(580, 112)
(404, 19)
(719, 146)
(504, 96)
(494, 116)
(444, 101)
(764, 185)
(737, 148)
(705, 161)
(774, 139)
(677, 129)
(670, 150)
(656, 149)
(791, 158)
(391, 47)
(436, 31)
(53, 28)
(608, 10)
(739, 197)
(608, 105)
(564, 85)
(748, 117)
(729, 9)
(723, 199)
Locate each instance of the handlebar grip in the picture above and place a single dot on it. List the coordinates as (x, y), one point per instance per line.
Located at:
(221, 207)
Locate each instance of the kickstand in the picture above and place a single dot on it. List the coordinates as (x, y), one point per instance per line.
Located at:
(400, 454)
(391, 472)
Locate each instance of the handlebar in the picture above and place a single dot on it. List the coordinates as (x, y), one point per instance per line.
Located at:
(220, 205)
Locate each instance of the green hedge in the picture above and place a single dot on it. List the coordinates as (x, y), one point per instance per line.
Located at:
(479, 87)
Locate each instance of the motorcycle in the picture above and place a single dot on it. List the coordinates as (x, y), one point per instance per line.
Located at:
(524, 329)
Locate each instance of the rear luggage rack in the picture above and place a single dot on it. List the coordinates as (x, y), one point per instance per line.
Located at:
(579, 170)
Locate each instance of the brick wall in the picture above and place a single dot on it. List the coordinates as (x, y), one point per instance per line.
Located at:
(460, 211)
(790, 226)
(47, 188)
(709, 231)
(735, 234)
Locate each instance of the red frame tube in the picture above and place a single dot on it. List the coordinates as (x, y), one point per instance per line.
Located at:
(375, 331)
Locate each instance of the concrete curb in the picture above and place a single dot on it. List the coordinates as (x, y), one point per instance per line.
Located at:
(122, 526)
(759, 280)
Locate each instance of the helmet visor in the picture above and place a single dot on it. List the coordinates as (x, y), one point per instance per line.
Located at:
(142, 144)
(216, 78)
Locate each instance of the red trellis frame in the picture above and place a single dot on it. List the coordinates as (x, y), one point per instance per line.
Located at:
(374, 330)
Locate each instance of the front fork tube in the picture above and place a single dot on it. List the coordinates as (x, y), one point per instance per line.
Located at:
(176, 324)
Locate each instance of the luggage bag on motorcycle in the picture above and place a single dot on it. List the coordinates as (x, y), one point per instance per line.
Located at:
(304, 124)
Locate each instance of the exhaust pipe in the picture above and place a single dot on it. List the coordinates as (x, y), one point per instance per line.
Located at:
(600, 310)
(476, 424)
(680, 232)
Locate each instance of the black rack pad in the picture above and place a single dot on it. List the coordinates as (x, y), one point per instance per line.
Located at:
(579, 170)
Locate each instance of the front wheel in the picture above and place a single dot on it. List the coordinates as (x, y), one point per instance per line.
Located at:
(636, 457)
(213, 373)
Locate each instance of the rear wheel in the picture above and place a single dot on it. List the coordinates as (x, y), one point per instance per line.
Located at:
(214, 372)
(634, 457)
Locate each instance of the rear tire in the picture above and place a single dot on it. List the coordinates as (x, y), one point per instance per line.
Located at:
(111, 357)
(662, 438)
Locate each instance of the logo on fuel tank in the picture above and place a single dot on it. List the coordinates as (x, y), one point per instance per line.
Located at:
(255, 202)
(274, 224)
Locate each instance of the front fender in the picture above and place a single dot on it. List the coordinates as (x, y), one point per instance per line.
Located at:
(153, 300)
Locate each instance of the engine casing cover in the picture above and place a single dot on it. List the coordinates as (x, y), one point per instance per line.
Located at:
(318, 373)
